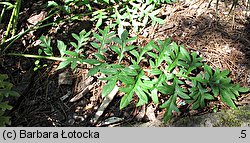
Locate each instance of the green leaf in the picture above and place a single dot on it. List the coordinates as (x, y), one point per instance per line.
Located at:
(3, 77)
(151, 45)
(173, 65)
(63, 64)
(5, 106)
(97, 36)
(155, 71)
(75, 36)
(129, 71)
(100, 57)
(181, 92)
(8, 92)
(66, 9)
(208, 70)
(185, 54)
(135, 53)
(143, 99)
(166, 89)
(148, 84)
(126, 89)
(109, 71)
(124, 35)
(199, 78)
(117, 40)
(234, 90)
(99, 22)
(224, 73)
(116, 49)
(129, 48)
(243, 89)
(71, 53)
(215, 90)
(126, 100)
(154, 96)
(61, 47)
(52, 4)
(92, 61)
(74, 45)
(125, 79)
(153, 55)
(170, 105)
(136, 67)
(196, 105)
(225, 97)
(10, 6)
(93, 70)
(13, 93)
(108, 87)
(208, 96)
(95, 45)
(73, 64)
(131, 39)
(4, 120)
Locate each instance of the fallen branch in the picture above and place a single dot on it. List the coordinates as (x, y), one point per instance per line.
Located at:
(105, 104)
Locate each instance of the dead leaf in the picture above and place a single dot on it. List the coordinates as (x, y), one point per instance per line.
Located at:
(34, 19)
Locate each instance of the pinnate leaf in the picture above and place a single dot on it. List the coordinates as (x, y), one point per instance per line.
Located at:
(108, 87)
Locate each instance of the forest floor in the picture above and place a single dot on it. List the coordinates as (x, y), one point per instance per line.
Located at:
(222, 39)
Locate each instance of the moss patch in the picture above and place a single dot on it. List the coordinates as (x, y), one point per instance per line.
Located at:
(228, 118)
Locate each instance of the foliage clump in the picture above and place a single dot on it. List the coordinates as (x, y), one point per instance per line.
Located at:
(161, 71)
(5, 92)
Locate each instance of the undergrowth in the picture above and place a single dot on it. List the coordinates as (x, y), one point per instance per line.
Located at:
(5, 92)
(161, 72)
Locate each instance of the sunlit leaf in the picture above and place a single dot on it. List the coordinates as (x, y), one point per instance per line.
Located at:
(108, 87)
(63, 64)
(170, 105)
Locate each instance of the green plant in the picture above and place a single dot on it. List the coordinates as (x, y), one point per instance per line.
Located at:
(73, 57)
(68, 57)
(122, 45)
(5, 92)
(221, 85)
(160, 72)
(7, 42)
(103, 40)
(170, 68)
(14, 17)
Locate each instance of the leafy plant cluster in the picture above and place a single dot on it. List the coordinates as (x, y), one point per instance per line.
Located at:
(160, 70)
(134, 14)
(12, 24)
(5, 92)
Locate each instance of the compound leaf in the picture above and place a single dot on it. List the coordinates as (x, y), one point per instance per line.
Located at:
(108, 87)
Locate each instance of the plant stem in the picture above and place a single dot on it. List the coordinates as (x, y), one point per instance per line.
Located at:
(2, 13)
(38, 57)
(10, 23)
(122, 51)
(35, 27)
(18, 5)
(23, 33)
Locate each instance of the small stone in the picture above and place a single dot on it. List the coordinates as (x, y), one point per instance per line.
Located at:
(65, 78)
(71, 121)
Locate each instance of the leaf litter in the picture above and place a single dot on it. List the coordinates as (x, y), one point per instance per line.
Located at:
(223, 42)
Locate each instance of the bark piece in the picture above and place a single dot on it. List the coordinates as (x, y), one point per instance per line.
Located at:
(105, 104)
